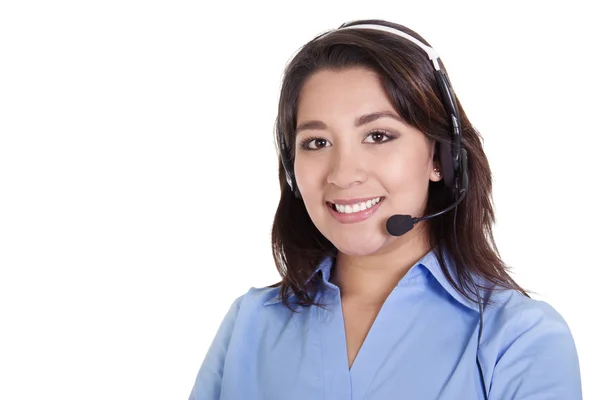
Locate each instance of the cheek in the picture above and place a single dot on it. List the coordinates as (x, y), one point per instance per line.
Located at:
(397, 170)
(404, 172)
(309, 173)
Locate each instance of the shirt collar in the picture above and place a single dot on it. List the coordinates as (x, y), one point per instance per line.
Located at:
(428, 263)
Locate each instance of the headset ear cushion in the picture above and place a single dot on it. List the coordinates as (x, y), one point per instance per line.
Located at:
(447, 165)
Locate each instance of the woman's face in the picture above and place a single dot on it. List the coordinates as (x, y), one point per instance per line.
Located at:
(356, 162)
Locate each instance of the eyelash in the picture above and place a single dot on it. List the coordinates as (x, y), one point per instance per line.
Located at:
(389, 137)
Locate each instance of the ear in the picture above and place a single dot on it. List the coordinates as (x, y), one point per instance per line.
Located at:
(435, 175)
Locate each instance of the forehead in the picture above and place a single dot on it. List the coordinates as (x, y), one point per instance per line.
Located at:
(337, 93)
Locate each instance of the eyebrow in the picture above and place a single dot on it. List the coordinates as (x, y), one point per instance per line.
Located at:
(362, 120)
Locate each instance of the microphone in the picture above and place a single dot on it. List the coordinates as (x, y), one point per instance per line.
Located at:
(399, 224)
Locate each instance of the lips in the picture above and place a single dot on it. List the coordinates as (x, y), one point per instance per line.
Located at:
(354, 205)
(353, 201)
(355, 210)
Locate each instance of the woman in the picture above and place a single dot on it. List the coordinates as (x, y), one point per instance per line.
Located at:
(373, 303)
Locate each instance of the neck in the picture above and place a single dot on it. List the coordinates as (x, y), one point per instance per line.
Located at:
(370, 279)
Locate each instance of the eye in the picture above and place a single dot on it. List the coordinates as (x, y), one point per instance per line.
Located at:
(314, 143)
(379, 137)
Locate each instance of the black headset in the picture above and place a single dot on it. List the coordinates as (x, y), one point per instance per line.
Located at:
(453, 158)
(452, 155)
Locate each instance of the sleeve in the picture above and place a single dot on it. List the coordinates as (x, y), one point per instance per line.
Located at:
(208, 380)
(540, 361)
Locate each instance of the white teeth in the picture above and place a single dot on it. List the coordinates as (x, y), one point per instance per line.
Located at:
(349, 209)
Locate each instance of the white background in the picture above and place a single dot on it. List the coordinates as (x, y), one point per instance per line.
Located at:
(138, 175)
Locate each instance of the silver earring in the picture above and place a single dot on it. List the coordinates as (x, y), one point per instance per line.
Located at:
(437, 172)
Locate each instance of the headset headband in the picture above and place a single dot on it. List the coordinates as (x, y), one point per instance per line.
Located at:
(430, 52)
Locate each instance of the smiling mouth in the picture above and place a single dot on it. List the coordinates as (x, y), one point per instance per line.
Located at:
(355, 208)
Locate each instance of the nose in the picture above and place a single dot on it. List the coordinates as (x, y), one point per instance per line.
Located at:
(346, 169)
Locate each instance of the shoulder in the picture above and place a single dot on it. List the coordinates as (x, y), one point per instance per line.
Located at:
(530, 349)
(236, 331)
(258, 297)
(517, 315)
(256, 301)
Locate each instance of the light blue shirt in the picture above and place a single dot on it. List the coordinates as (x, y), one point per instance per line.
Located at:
(421, 346)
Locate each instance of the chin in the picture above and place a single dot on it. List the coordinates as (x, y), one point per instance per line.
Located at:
(358, 244)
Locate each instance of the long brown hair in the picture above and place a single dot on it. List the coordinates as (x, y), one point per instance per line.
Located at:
(408, 78)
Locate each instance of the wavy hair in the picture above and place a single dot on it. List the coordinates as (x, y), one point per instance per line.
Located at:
(407, 76)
